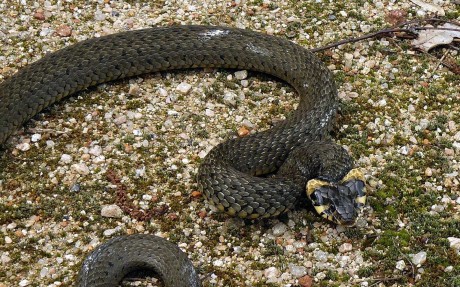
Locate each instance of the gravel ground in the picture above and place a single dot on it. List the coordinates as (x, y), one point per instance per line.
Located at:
(131, 149)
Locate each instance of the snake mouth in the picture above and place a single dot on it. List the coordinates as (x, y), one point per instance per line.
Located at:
(340, 202)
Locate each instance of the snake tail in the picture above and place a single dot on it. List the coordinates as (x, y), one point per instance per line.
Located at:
(107, 262)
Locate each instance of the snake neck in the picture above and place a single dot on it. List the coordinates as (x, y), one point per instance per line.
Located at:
(324, 160)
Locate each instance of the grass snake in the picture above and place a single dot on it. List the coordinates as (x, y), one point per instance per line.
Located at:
(297, 154)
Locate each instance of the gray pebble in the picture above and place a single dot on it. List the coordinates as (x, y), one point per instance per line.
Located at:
(297, 271)
(279, 229)
(184, 88)
(419, 258)
(75, 187)
(241, 75)
(320, 255)
(230, 99)
(112, 210)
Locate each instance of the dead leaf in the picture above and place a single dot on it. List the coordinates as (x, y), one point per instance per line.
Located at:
(396, 16)
(430, 38)
(430, 7)
(452, 66)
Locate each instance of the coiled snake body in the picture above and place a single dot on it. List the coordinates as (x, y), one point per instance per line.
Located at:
(297, 149)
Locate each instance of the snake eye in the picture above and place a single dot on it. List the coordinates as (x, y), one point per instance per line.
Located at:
(330, 209)
(360, 187)
(314, 188)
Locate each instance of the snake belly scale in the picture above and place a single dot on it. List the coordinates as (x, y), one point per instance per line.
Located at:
(228, 175)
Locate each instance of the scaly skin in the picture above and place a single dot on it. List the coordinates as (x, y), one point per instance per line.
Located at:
(228, 175)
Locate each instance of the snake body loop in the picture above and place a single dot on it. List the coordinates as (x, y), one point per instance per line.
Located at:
(228, 175)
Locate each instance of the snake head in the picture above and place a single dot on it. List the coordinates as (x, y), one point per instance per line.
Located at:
(340, 202)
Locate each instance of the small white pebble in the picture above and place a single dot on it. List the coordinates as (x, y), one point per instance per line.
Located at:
(400, 265)
(120, 120)
(108, 116)
(134, 90)
(454, 242)
(218, 263)
(112, 210)
(297, 271)
(81, 168)
(8, 240)
(404, 150)
(348, 60)
(140, 172)
(428, 172)
(168, 124)
(24, 282)
(230, 99)
(163, 92)
(172, 98)
(279, 229)
(65, 158)
(4, 258)
(209, 112)
(241, 75)
(320, 255)
(346, 247)
(36, 137)
(109, 232)
(99, 159)
(320, 275)
(419, 258)
(203, 153)
(12, 225)
(184, 88)
(44, 272)
(382, 103)
(23, 146)
(449, 269)
(69, 257)
(99, 16)
(95, 150)
(457, 136)
(271, 272)
(437, 207)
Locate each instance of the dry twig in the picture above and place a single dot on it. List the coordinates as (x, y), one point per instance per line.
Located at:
(411, 31)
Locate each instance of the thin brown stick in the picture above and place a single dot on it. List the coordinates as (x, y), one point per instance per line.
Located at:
(436, 28)
(405, 257)
(40, 130)
(367, 36)
(441, 61)
(454, 68)
(378, 280)
(453, 47)
(394, 29)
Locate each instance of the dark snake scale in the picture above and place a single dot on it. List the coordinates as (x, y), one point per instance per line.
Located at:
(293, 152)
